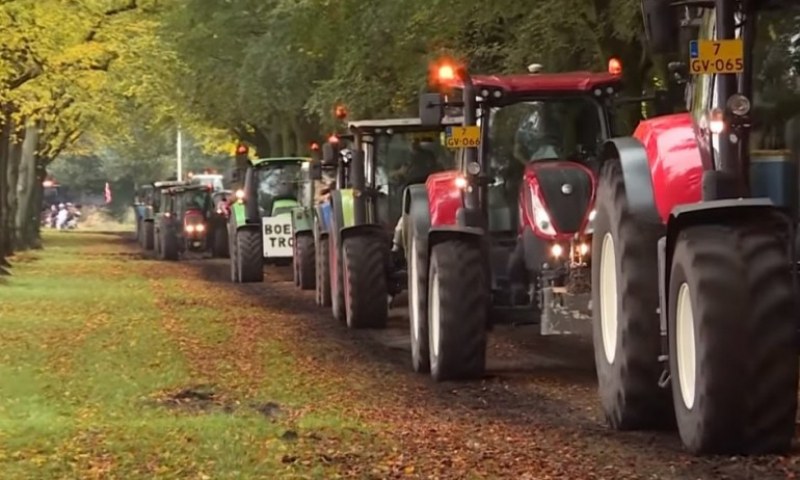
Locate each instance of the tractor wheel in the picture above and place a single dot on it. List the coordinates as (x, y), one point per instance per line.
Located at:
(138, 233)
(323, 273)
(295, 264)
(418, 304)
(169, 244)
(457, 305)
(219, 245)
(626, 332)
(148, 234)
(364, 281)
(249, 256)
(233, 258)
(304, 259)
(732, 331)
(337, 279)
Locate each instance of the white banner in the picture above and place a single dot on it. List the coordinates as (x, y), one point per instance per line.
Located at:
(278, 236)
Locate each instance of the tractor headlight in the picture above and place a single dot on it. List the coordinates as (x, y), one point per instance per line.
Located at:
(556, 250)
(583, 248)
(240, 195)
(200, 228)
(590, 224)
(540, 216)
(189, 228)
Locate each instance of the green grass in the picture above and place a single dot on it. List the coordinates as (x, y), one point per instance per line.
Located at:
(87, 353)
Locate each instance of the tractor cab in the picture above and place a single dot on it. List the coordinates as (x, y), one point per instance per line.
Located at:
(398, 153)
(209, 179)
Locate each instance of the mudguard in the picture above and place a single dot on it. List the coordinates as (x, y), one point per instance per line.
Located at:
(636, 175)
(341, 213)
(301, 220)
(415, 209)
(708, 212)
(368, 229)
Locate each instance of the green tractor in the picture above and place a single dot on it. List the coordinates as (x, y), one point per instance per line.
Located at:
(261, 215)
(304, 255)
(361, 219)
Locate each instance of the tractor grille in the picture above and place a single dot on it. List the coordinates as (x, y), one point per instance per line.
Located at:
(566, 211)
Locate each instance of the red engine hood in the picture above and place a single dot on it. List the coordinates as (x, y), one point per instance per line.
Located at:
(565, 189)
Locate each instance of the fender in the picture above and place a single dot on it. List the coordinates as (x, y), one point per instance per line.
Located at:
(301, 220)
(341, 214)
(444, 198)
(675, 160)
(416, 211)
(635, 174)
(708, 212)
(367, 229)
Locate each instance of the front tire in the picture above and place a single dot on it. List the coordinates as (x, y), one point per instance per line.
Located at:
(249, 256)
(364, 281)
(148, 232)
(418, 304)
(626, 332)
(323, 273)
(304, 259)
(732, 333)
(457, 309)
(337, 279)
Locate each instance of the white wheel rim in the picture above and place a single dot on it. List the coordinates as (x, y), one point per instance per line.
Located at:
(684, 340)
(608, 298)
(434, 315)
(413, 301)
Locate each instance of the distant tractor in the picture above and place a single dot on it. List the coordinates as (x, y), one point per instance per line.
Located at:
(142, 208)
(260, 229)
(507, 232)
(208, 178)
(694, 278)
(218, 223)
(152, 213)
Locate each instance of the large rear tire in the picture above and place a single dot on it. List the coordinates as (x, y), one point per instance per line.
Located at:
(219, 246)
(169, 243)
(458, 299)
(148, 233)
(626, 332)
(418, 304)
(249, 256)
(337, 279)
(323, 273)
(305, 256)
(732, 331)
(364, 281)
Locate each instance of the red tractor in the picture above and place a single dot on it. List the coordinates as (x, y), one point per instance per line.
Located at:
(510, 230)
(694, 275)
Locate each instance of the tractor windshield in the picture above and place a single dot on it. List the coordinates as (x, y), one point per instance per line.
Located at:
(281, 180)
(404, 159)
(776, 82)
(196, 200)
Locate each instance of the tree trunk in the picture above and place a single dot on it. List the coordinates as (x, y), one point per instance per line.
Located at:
(13, 165)
(5, 138)
(28, 212)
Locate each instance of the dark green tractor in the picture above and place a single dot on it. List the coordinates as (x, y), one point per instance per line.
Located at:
(261, 217)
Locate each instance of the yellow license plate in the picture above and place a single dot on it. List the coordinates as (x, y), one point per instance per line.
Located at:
(716, 56)
(463, 137)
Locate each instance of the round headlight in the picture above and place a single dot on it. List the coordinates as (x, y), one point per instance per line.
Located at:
(473, 168)
(739, 105)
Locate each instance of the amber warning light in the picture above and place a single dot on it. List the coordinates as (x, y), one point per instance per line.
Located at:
(615, 66)
(314, 146)
(241, 149)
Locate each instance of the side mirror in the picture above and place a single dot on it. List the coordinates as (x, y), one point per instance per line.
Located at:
(431, 109)
(330, 155)
(661, 26)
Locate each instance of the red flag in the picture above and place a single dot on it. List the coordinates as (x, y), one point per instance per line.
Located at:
(108, 193)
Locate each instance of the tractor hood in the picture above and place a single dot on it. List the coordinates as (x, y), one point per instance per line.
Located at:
(565, 189)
